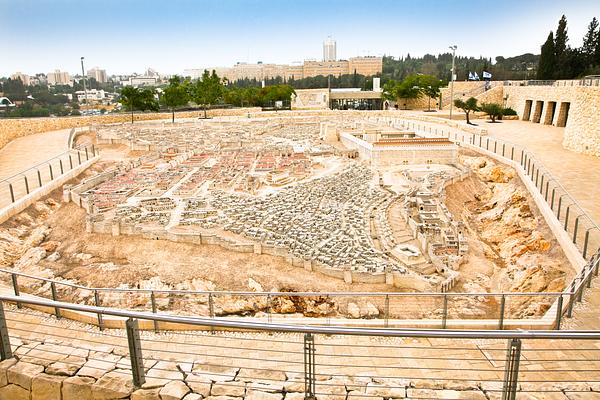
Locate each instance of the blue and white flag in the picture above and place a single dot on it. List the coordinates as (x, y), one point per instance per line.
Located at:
(475, 76)
(487, 75)
(471, 76)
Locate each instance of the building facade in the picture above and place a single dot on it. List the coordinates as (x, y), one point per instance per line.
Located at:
(98, 74)
(23, 77)
(329, 50)
(59, 78)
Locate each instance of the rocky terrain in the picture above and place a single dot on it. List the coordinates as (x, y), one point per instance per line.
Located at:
(512, 249)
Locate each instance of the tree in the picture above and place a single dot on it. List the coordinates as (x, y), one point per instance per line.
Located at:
(547, 62)
(560, 49)
(493, 110)
(590, 42)
(467, 106)
(430, 87)
(208, 90)
(175, 95)
(138, 99)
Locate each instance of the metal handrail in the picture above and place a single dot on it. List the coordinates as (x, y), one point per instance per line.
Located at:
(326, 330)
(79, 148)
(290, 294)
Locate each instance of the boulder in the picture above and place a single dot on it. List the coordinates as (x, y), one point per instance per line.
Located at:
(199, 384)
(161, 374)
(146, 394)
(260, 375)
(77, 388)
(233, 388)
(258, 395)
(114, 385)
(254, 286)
(191, 396)
(95, 368)
(14, 392)
(22, 374)
(174, 390)
(353, 310)
(4, 366)
(31, 258)
(46, 387)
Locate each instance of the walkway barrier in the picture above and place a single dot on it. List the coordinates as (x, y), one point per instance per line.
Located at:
(495, 311)
(307, 362)
(22, 184)
(576, 222)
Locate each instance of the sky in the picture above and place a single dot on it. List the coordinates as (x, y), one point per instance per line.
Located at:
(126, 36)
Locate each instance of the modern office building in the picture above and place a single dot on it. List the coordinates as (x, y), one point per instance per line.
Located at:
(59, 77)
(98, 74)
(23, 77)
(329, 50)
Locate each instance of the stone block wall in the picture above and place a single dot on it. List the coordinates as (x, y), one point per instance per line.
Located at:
(11, 129)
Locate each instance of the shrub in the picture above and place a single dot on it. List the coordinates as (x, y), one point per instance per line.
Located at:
(508, 111)
(493, 110)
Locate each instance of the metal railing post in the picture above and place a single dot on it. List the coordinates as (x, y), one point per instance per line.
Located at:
(15, 284)
(55, 298)
(559, 312)
(153, 301)
(567, 217)
(445, 313)
(269, 308)
(70, 161)
(79, 157)
(87, 157)
(12, 193)
(51, 172)
(309, 366)
(503, 148)
(552, 201)
(585, 242)
(501, 318)
(97, 302)
(62, 170)
(135, 352)
(39, 178)
(386, 311)
(511, 370)
(211, 306)
(546, 195)
(26, 183)
(5, 349)
(575, 229)
(571, 299)
(512, 153)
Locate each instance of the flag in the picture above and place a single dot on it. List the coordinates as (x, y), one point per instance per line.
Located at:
(487, 75)
(471, 76)
(475, 76)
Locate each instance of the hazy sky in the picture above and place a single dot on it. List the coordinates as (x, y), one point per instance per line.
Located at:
(125, 36)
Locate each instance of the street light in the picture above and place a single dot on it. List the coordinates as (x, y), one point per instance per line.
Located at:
(83, 77)
(453, 48)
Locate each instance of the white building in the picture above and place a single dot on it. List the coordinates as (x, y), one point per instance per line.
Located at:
(329, 50)
(24, 78)
(98, 74)
(140, 81)
(383, 149)
(92, 95)
(59, 78)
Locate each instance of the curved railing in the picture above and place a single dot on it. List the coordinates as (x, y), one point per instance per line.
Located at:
(277, 360)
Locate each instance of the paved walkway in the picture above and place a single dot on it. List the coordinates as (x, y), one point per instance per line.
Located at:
(24, 152)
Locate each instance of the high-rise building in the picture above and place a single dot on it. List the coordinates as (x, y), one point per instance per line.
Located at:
(98, 74)
(24, 78)
(329, 53)
(59, 78)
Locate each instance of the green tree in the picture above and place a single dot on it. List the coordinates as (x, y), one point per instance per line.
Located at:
(493, 110)
(560, 49)
(590, 42)
(175, 95)
(208, 90)
(430, 86)
(138, 99)
(467, 106)
(547, 62)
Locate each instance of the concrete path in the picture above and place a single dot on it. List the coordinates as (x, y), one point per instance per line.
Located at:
(28, 151)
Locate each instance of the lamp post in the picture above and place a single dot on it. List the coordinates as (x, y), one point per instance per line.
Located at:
(453, 48)
(83, 78)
